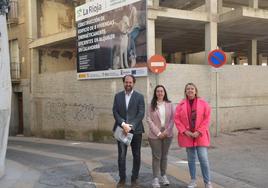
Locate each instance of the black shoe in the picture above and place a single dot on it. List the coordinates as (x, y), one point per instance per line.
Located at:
(134, 183)
(121, 183)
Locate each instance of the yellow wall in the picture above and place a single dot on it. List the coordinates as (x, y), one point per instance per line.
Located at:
(55, 17)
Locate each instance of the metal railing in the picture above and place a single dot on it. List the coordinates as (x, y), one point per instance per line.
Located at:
(15, 71)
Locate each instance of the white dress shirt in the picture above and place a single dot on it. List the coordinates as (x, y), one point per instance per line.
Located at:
(127, 97)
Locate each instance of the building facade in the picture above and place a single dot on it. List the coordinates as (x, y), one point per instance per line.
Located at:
(49, 101)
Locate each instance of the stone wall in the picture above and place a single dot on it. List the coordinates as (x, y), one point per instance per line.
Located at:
(67, 108)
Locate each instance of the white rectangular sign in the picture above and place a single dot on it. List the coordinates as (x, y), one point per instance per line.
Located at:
(95, 7)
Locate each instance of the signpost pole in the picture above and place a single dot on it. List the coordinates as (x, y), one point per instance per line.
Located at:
(216, 59)
(156, 79)
(217, 104)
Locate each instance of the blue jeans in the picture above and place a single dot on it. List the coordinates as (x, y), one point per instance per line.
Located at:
(202, 153)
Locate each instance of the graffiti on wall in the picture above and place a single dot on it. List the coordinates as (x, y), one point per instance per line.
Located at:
(59, 110)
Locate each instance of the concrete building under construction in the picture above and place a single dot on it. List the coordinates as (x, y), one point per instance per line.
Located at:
(49, 101)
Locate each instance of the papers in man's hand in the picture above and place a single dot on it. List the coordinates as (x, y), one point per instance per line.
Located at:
(121, 136)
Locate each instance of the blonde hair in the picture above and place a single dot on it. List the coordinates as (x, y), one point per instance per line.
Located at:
(191, 84)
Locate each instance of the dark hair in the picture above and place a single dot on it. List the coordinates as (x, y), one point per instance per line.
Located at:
(154, 99)
(130, 75)
(191, 84)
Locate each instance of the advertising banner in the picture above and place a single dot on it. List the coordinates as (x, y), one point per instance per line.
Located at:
(111, 39)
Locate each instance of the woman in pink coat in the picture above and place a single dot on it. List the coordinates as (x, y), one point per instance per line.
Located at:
(192, 118)
(160, 119)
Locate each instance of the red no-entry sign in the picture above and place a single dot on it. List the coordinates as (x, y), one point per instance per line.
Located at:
(157, 64)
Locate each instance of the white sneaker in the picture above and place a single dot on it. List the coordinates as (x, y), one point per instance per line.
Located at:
(155, 183)
(164, 180)
(208, 185)
(192, 184)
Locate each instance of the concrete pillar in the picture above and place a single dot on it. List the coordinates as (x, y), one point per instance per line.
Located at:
(153, 3)
(260, 58)
(151, 50)
(33, 57)
(150, 2)
(237, 60)
(156, 3)
(220, 7)
(252, 53)
(265, 60)
(211, 31)
(158, 46)
(183, 58)
(150, 37)
(253, 3)
(187, 59)
(32, 18)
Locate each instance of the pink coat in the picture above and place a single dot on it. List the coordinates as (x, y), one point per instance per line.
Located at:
(202, 124)
(153, 120)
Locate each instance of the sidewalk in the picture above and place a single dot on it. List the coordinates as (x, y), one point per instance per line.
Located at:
(18, 176)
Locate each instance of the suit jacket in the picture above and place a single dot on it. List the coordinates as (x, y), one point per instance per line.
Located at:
(133, 115)
(202, 124)
(154, 122)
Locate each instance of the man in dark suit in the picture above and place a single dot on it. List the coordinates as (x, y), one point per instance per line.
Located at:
(128, 111)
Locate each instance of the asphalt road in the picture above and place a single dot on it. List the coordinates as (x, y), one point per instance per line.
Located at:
(237, 160)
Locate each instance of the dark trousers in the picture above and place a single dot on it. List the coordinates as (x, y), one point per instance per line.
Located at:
(136, 153)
